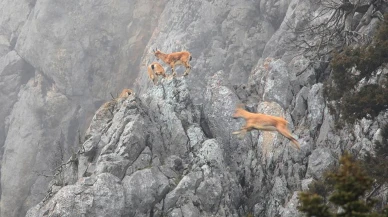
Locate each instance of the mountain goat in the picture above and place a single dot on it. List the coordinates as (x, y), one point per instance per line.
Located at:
(154, 70)
(126, 93)
(176, 58)
(263, 122)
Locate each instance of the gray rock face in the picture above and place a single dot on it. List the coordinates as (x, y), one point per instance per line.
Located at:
(221, 35)
(316, 107)
(20, 162)
(143, 189)
(100, 196)
(320, 160)
(14, 72)
(58, 61)
(81, 46)
(175, 158)
(169, 150)
(277, 84)
(290, 209)
(154, 173)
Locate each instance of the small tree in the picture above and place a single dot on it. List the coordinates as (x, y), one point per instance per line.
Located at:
(350, 184)
(354, 64)
(331, 25)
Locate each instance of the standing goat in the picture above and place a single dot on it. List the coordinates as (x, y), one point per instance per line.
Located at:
(154, 70)
(263, 122)
(176, 58)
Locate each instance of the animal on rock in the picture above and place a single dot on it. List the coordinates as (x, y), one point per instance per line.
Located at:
(110, 105)
(154, 70)
(176, 58)
(263, 122)
(125, 93)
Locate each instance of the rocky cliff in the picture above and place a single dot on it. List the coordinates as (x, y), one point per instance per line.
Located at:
(167, 150)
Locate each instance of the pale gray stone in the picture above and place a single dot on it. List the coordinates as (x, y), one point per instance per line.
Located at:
(171, 145)
(290, 209)
(143, 189)
(102, 198)
(209, 193)
(315, 105)
(320, 160)
(277, 86)
(300, 108)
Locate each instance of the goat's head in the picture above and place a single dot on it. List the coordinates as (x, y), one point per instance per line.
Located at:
(126, 93)
(239, 111)
(157, 53)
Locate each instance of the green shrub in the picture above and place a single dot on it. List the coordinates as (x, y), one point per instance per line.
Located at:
(370, 99)
(351, 66)
(350, 184)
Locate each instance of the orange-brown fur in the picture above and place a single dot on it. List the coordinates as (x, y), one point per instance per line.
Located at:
(176, 58)
(154, 70)
(125, 93)
(263, 122)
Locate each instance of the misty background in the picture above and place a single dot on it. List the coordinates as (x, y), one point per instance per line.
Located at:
(61, 60)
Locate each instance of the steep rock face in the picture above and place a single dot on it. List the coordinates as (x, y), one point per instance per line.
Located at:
(167, 171)
(85, 50)
(221, 35)
(177, 158)
(102, 195)
(174, 178)
(76, 46)
(14, 72)
(19, 176)
(58, 61)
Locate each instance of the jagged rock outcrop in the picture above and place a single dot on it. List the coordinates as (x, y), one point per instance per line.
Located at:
(83, 51)
(144, 143)
(164, 170)
(58, 62)
(221, 35)
(102, 195)
(172, 157)
(168, 150)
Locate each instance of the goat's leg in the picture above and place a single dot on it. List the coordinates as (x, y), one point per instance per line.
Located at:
(155, 79)
(151, 74)
(237, 132)
(188, 68)
(173, 69)
(152, 78)
(288, 135)
(240, 134)
(265, 128)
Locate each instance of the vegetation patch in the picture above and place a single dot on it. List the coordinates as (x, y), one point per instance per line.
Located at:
(348, 197)
(376, 164)
(351, 66)
(369, 100)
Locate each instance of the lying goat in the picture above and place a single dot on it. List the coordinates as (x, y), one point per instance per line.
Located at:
(176, 58)
(125, 93)
(110, 105)
(263, 122)
(154, 70)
